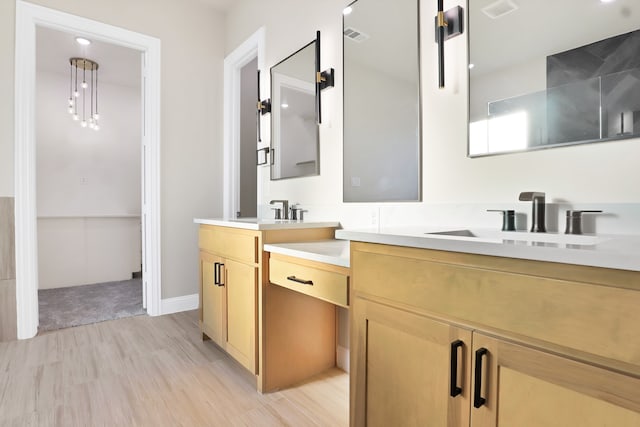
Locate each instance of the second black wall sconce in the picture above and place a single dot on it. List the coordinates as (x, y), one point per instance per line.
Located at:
(448, 24)
(324, 79)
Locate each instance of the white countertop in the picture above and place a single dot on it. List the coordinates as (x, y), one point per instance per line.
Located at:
(334, 252)
(265, 224)
(610, 251)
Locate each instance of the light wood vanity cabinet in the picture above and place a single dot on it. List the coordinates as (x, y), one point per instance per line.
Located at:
(233, 288)
(229, 282)
(545, 344)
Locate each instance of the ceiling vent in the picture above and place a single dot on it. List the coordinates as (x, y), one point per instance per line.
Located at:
(355, 35)
(499, 9)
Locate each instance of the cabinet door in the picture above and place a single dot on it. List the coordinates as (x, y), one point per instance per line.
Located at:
(403, 366)
(527, 387)
(212, 307)
(241, 284)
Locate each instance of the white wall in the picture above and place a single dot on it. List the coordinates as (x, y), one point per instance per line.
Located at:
(88, 186)
(586, 175)
(82, 172)
(7, 42)
(191, 35)
(83, 250)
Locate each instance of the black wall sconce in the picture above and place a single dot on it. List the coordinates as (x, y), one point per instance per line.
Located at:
(262, 156)
(324, 79)
(448, 24)
(264, 107)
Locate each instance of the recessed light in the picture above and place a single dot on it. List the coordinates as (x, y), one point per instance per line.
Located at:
(607, 1)
(347, 10)
(82, 41)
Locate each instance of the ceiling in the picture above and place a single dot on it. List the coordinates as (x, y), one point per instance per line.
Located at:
(117, 64)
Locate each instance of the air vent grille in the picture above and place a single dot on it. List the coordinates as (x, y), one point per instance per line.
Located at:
(355, 35)
(499, 8)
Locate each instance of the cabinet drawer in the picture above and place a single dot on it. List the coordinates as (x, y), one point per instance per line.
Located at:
(326, 285)
(241, 245)
(600, 320)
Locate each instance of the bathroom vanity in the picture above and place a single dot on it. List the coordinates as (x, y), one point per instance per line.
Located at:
(253, 321)
(489, 332)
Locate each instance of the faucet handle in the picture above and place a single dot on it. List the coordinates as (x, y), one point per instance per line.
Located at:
(278, 213)
(297, 213)
(574, 220)
(508, 218)
(293, 211)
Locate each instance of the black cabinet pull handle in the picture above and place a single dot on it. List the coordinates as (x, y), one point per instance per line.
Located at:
(454, 390)
(220, 282)
(478, 400)
(216, 274)
(304, 282)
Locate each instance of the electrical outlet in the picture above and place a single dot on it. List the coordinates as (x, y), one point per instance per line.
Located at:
(375, 218)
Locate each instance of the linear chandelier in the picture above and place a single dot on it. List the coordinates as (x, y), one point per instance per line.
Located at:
(88, 71)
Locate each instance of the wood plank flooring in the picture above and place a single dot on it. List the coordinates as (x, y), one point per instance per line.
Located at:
(150, 371)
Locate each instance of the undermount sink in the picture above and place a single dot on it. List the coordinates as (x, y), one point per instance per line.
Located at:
(517, 236)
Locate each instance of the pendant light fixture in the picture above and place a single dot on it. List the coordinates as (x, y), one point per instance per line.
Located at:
(87, 71)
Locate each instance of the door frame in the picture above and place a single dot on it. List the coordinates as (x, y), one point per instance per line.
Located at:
(28, 16)
(251, 48)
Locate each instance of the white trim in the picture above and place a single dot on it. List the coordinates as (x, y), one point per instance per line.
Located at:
(28, 16)
(178, 304)
(251, 48)
(342, 358)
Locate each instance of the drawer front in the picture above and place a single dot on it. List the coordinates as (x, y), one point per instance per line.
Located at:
(326, 285)
(596, 319)
(238, 245)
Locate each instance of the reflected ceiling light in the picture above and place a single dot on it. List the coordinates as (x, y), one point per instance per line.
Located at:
(347, 10)
(284, 105)
(471, 66)
(88, 69)
(607, 1)
(82, 41)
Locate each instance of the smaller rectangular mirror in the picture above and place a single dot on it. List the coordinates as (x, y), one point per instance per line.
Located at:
(294, 131)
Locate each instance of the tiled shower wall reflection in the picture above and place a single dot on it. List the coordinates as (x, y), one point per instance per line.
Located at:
(7, 270)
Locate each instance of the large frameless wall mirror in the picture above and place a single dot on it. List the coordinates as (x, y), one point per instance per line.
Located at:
(548, 73)
(382, 155)
(294, 131)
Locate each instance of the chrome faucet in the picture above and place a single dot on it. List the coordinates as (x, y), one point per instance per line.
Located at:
(537, 211)
(285, 208)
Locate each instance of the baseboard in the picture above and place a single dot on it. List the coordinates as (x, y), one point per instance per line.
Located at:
(177, 304)
(342, 358)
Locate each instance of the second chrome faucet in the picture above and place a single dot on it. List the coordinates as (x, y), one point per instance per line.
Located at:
(537, 210)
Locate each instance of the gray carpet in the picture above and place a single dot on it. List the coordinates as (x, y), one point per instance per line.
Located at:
(80, 305)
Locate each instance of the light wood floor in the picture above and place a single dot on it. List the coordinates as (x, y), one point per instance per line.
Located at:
(150, 371)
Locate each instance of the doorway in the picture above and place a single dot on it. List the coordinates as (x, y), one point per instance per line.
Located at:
(27, 17)
(242, 178)
(88, 180)
(248, 199)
